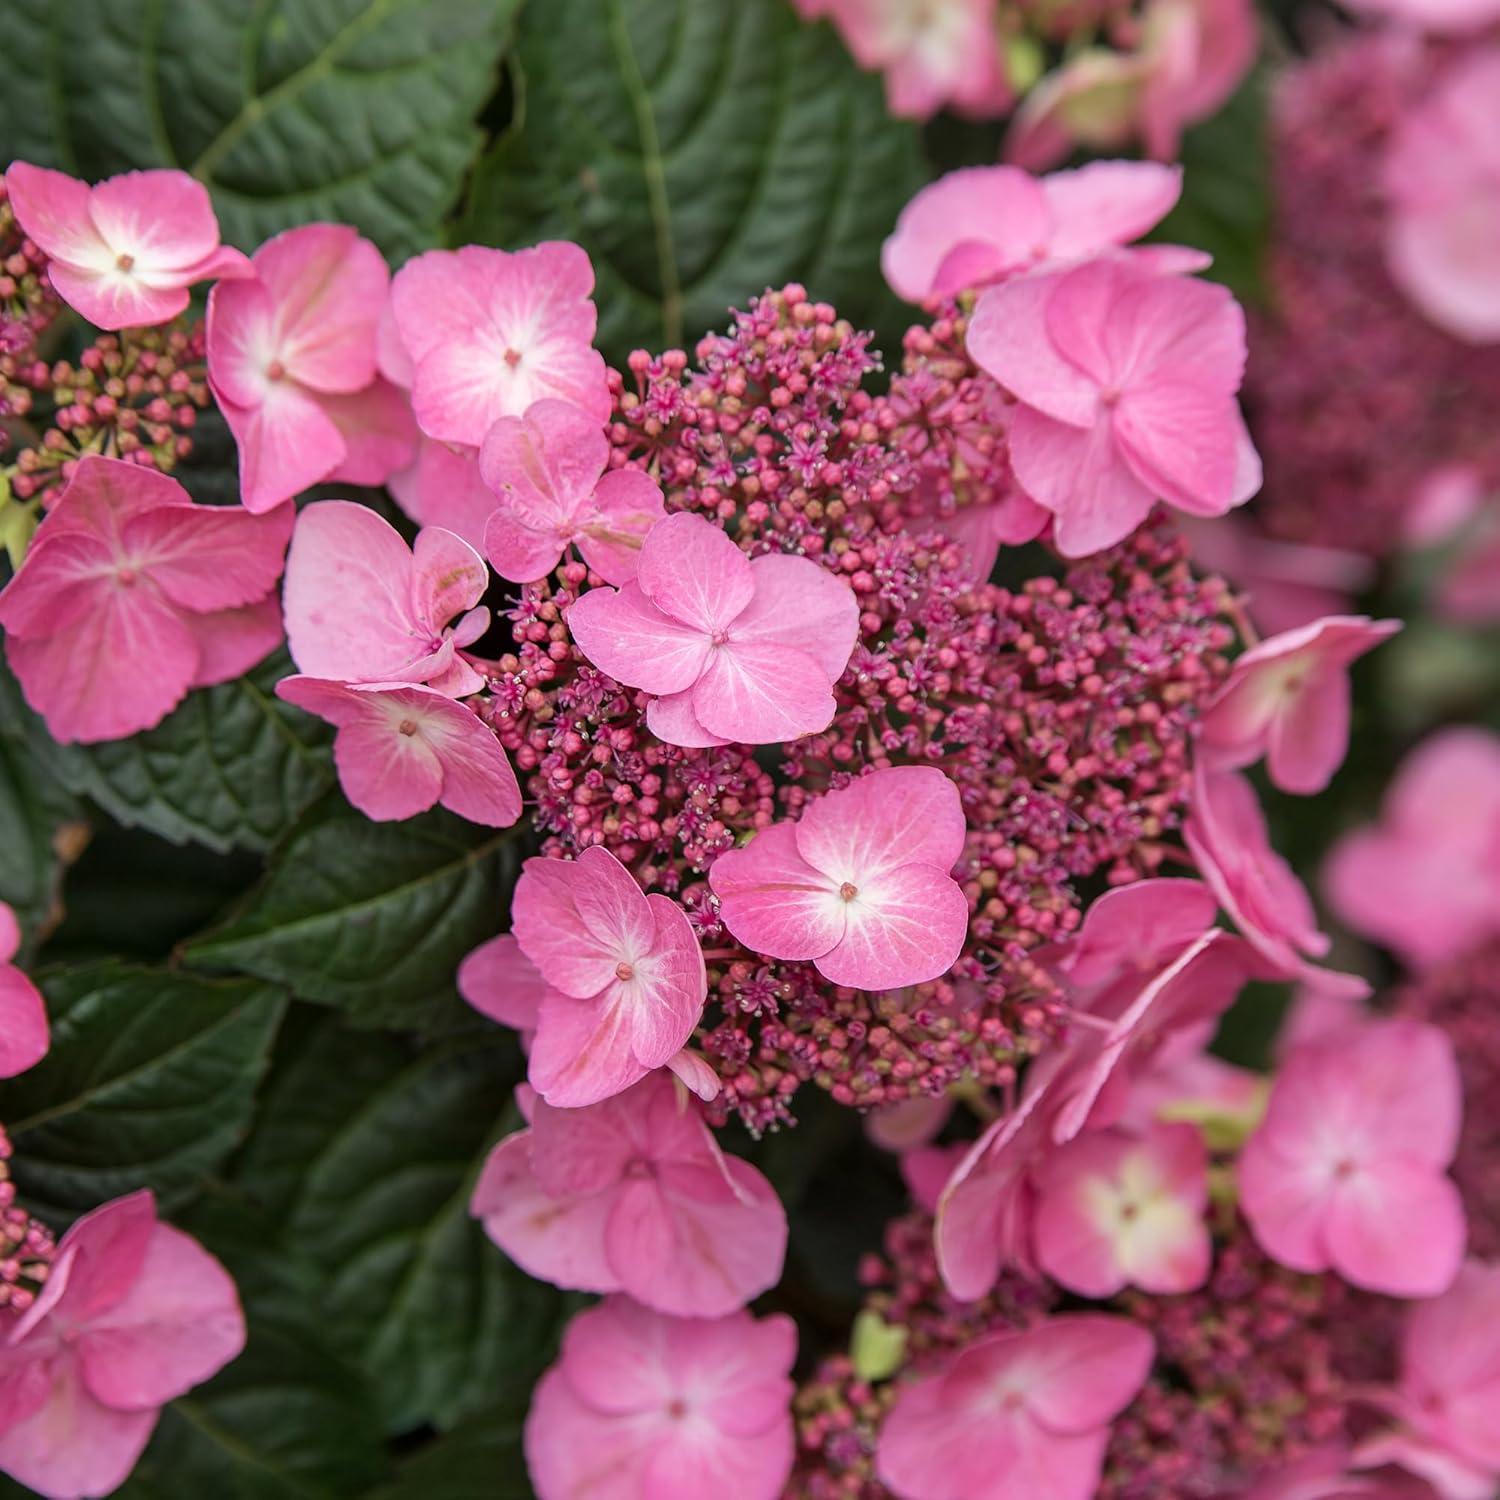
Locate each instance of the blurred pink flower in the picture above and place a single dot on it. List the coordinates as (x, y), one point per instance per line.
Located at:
(1287, 699)
(860, 885)
(1126, 380)
(1347, 1171)
(984, 224)
(124, 252)
(639, 1404)
(732, 649)
(291, 359)
(625, 976)
(131, 595)
(24, 1034)
(363, 607)
(1425, 880)
(133, 1315)
(634, 1195)
(488, 332)
(547, 472)
(1016, 1416)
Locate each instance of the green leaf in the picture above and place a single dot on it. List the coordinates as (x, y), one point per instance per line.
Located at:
(232, 767)
(371, 917)
(700, 150)
(1225, 206)
(367, 1158)
(290, 1419)
(290, 110)
(150, 1082)
(481, 1459)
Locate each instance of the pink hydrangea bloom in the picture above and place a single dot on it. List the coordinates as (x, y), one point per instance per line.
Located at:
(291, 359)
(932, 54)
(633, 1195)
(1288, 699)
(1447, 1397)
(363, 607)
(732, 649)
(860, 885)
(402, 747)
(1117, 1210)
(1227, 836)
(1325, 1475)
(625, 976)
(24, 1035)
(547, 472)
(983, 224)
(1016, 1416)
(1442, 177)
(124, 252)
(1126, 380)
(1348, 1169)
(1425, 881)
(133, 1315)
(131, 595)
(488, 332)
(642, 1404)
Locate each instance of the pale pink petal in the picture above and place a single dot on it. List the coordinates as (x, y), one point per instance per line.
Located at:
(1008, 337)
(163, 219)
(241, 333)
(232, 641)
(442, 487)
(695, 1074)
(105, 1250)
(897, 816)
(54, 210)
(1400, 1231)
(478, 782)
(762, 693)
(571, 955)
(287, 445)
(10, 933)
(581, 1053)
(672, 720)
(115, 299)
(904, 926)
(61, 580)
(1309, 737)
(520, 552)
(1107, 203)
(380, 436)
(543, 466)
(691, 571)
(24, 1035)
(773, 901)
(210, 557)
(1182, 441)
(500, 982)
(447, 577)
(625, 635)
(800, 606)
(627, 504)
(610, 903)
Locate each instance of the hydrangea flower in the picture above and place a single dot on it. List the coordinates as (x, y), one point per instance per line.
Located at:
(24, 1035)
(124, 252)
(643, 1404)
(732, 649)
(1348, 1168)
(488, 332)
(1126, 382)
(363, 607)
(1017, 1415)
(130, 595)
(132, 1315)
(634, 1195)
(546, 470)
(1287, 699)
(291, 359)
(860, 884)
(625, 975)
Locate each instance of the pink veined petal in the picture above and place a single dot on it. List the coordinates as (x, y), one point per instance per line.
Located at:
(578, 1151)
(691, 571)
(1309, 737)
(1398, 1229)
(1081, 478)
(121, 669)
(627, 504)
(694, 1074)
(693, 1463)
(520, 552)
(800, 606)
(557, 1239)
(1182, 442)
(61, 580)
(1009, 339)
(478, 782)
(24, 1035)
(287, 445)
(762, 693)
(582, 1053)
(115, 299)
(613, 908)
(901, 815)
(679, 986)
(1108, 203)
(55, 210)
(905, 926)
(442, 487)
(177, 1325)
(379, 433)
(773, 901)
(500, 982)
(241, 332)
(672, 720)
(571, 955)
(1286, 1203)
(572, 1449)
(74, 1445)
(625, 635)
(163, 219)
(328, 286)
(543, 466)
(109, 1247)
(208, 558)
(1084, 1369)
(447, 577)
(232, 641)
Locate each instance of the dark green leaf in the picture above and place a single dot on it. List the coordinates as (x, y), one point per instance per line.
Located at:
(291, 110)
(367, 1159)
(481, 1459)
(700, 150)
(371, 917)
(150, 1082)
(231, 768)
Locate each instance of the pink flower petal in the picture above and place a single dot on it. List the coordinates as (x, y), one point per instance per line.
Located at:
(800, 606)
(762, 693)
(500, 982)
(208, 558)
(379, 433)
(625, 635)
(232, 641)
(899, 816)
(1108, 203)
(286, 445)
(627, 504)
(163, 219)
(691, 571)
(1402, 1232)
(905, 926)
(54, 210)
(773, 901)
